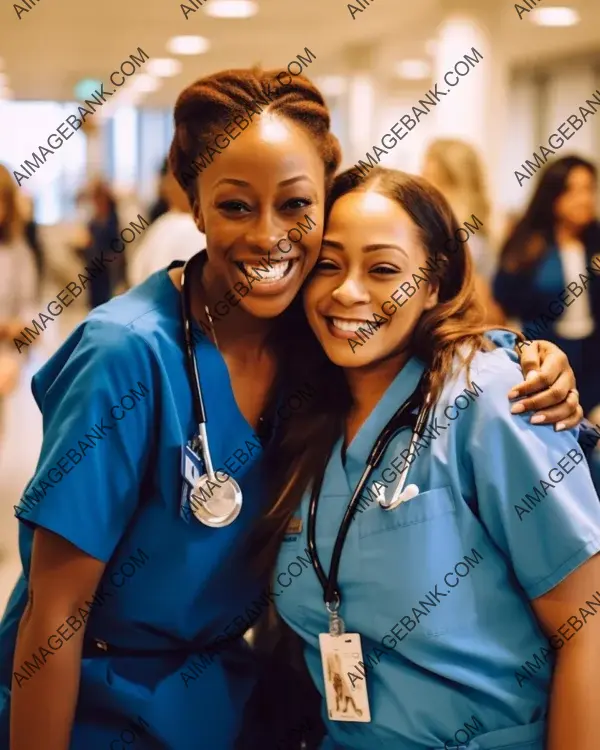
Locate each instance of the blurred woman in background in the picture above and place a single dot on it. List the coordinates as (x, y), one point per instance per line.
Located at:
(102, 228)
(160, 205)
(547, 269)
(455, 168)
(32, 237)
(173, 236)
(18, 281)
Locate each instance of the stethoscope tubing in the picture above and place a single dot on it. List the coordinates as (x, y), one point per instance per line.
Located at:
(200, 444)
(331, 593)
(397, 495)
(191, 363)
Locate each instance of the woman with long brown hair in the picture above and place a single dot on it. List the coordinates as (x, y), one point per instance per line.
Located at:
(549, 265)
(431, 539)
(18, 280)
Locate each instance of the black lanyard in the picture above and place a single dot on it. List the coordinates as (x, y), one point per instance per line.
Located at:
(404, 417)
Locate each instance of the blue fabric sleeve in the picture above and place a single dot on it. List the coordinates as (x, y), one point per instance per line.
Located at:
(98, 397)
(502, 338)
(557, 528)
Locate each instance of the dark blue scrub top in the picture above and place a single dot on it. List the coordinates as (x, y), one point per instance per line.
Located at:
(117, 408)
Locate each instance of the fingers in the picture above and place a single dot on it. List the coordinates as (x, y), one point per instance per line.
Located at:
(553, 364)
(554, 395)
(530, 357)
(565, 416)
(534, 381)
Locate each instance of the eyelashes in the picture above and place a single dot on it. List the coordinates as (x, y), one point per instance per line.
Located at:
(379, 270)
(304, 201)
(238, 207)
(326, 265)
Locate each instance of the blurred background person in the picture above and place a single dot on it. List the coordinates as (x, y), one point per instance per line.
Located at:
(173, 236)
(99, 213)
(550, 248)
(160, 205)
(32, 235)
(18, 283)
(456, 170)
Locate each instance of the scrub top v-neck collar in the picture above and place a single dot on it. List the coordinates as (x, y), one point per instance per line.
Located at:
(399, 390)
(207, 349)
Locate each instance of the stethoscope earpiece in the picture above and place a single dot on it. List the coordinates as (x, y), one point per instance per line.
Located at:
(407, 494)
(411, 491)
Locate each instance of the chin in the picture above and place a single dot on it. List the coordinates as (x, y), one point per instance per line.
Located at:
(267, 307)
(340, 353)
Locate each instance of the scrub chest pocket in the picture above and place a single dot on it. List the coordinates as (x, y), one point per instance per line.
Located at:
(418, 566)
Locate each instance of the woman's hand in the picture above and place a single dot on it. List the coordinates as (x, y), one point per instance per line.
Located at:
(549, 376)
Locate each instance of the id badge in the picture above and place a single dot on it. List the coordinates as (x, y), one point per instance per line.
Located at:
(192, 468)
(341, 655)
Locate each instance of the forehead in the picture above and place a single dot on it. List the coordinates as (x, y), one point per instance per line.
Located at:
(361, 213)
(271, 149)
(579, 175)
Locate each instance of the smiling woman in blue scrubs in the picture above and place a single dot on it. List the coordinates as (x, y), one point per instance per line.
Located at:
(121, 587)
(449, 598)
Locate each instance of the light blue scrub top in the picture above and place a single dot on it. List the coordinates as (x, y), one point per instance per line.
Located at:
(122, 501)
(459, 657)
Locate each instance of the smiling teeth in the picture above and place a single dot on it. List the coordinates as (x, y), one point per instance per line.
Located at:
(348, 325)
(278, 271)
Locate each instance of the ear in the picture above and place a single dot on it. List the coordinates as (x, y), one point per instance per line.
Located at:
(432, 295)
(198, 217)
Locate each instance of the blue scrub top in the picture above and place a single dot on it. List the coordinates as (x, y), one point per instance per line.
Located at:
(117, 408)
(439, 588)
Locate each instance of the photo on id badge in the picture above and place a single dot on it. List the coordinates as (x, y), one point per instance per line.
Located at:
(341, 655)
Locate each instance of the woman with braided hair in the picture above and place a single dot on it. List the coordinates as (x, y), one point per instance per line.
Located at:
(124, 628)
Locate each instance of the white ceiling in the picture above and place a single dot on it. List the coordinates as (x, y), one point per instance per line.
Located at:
(59, 42)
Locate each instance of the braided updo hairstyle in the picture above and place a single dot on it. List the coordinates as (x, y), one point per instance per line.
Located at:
(210, 103)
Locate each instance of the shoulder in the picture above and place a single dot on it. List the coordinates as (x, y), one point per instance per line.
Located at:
(491, 376)
(130, 336)
(149, 312)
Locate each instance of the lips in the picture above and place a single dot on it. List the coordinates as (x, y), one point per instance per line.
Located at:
(273, 271)
(348, 325)
(269, 279)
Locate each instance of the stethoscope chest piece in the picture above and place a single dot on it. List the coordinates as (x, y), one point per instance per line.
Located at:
(216, 506)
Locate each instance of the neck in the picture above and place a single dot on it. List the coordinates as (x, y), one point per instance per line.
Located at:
(567, 232)
(236, 331)
(368, 384)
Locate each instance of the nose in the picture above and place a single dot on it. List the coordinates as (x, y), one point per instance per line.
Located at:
(263, 233)
(350, 292)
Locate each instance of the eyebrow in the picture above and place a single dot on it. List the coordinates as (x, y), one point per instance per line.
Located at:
(243, 183)
(366, 248)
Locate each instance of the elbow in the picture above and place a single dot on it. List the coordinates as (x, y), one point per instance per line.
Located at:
(52, 622)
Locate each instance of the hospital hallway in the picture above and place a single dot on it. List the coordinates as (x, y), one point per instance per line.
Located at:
(20, 442)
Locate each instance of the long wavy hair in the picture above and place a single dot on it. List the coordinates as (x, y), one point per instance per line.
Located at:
(450, 332)
(533, 235)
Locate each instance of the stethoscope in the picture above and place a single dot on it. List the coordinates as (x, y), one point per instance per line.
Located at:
(214, 503)
(403, 418)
